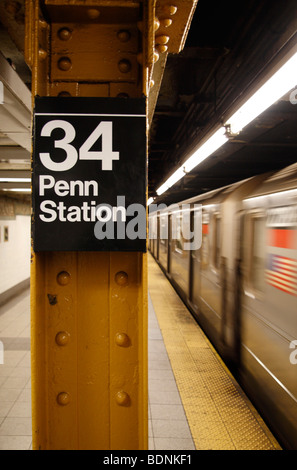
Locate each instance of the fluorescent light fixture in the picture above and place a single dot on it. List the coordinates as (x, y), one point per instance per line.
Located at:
(281, 82)
(208, 148)
(162, 189)
(177, 175)
(17, 190)
(15, 180)
(274, 88)
(216, 141)
(150, 200)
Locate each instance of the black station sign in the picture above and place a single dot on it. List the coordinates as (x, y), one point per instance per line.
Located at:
(89, 174)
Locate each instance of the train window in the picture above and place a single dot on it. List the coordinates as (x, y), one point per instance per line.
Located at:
(177, 237)
(257, 266)
(205, 245)
(153, 227)
(163, 229)
(217, 241)
(198, 228)
(205, 239)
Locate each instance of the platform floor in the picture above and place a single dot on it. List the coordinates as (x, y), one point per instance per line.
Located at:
(194, 402)
(15, 375)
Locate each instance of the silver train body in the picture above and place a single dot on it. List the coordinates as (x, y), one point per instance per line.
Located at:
(238, 276)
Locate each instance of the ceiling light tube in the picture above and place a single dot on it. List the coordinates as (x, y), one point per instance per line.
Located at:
(150, 200)
(174, 178)
(162, 189)
(273, 89)
(177, 175)
(208, 148)
(17, 190)
(216, 141)
(15, 180)
(281, 82)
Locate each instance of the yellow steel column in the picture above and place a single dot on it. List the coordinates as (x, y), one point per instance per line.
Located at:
(89, 309)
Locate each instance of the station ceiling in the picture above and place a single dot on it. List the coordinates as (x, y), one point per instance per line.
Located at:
(228, 49)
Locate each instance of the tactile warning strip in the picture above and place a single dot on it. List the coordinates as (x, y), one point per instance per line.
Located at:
(219, 414)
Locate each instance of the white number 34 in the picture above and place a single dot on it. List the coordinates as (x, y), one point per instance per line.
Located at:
(106, 155)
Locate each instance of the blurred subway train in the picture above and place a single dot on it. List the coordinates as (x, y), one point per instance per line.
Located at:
(232, 256)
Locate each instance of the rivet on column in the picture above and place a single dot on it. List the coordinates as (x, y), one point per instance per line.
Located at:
(122, 340)
(124, 66)
(42, 54)
(64, 64)
(63, 277)
(62, 338)
(64, 34)
(156, 24)
(161, 42)
(170, 9)
(162, 39)
(124, 35)
(42, 24)
(63, 398)
(64, 94)
(121, 278)
(122, 398)
(93, 13)
(166, 22)
(161, 48)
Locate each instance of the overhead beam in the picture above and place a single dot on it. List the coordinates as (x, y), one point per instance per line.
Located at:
(15, 173)
(14, 153)
(15, 106)
(264, 144)
(15, 166)
(14, 185)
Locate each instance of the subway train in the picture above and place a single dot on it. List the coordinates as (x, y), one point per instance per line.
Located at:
(231, 254)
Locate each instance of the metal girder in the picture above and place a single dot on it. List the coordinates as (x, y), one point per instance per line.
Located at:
(8, 165)
(89, 310)
(15, 106)
(14, 173)
(11, 152)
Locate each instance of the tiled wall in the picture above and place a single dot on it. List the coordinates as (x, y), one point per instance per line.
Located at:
(14, 251)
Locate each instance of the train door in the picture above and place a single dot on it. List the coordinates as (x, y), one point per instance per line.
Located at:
(158, 237)
(268, 313)
(169, 244)
(196, 253)
(154, 234)
(149, 244)
(180, 254)
(163, 241)
(210, 283)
